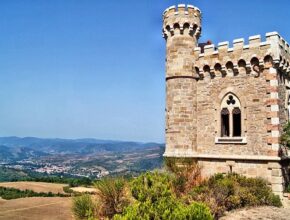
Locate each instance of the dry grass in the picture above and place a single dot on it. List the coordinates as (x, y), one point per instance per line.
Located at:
(34, 208)
(82, 189)
(36, 186)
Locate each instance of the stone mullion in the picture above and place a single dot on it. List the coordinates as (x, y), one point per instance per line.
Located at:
(231, 121)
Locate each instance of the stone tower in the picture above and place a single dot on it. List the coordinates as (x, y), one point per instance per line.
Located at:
(181, 30)
(226, 105)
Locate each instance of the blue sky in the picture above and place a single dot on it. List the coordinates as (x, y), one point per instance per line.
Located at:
(74, 69)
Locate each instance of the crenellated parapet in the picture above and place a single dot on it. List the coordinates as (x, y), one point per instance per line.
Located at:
(181, 20)
(241, 58)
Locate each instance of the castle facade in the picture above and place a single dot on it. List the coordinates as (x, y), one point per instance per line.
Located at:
(226, 105)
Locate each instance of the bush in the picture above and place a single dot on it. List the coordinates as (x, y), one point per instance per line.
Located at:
(187, 174)
(223, 193)
(12, 193)
(112, 196)
(83, 207)
(166, 209)
(151, 187)
(194, 211)
(155, 199)
(67, 189)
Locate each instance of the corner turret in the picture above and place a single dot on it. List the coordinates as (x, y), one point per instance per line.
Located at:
(181, 30)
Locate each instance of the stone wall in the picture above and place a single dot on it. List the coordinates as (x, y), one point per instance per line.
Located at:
(252, 92)
(268, 170)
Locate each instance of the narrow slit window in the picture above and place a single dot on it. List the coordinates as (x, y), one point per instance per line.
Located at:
(225, 125)
(236, 122)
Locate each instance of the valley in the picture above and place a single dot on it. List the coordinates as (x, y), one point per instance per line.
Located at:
(90, 158)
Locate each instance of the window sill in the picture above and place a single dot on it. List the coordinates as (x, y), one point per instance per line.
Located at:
(230, 140)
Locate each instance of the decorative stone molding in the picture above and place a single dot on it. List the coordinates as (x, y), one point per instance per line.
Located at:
(222, 156)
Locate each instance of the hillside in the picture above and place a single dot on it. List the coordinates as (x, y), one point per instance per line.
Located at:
(80, 146)
(7, 174)
(75, 157)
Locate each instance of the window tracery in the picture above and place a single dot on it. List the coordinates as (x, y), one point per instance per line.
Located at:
(231, 125)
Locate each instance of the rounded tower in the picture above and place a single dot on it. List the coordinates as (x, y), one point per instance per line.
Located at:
(181, 30)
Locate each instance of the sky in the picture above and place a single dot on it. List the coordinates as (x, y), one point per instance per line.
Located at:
(76, 69)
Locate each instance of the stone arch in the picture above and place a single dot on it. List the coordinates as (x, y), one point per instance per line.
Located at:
(186, 28)
(176, 28)
(255, 66)
(168, 31)
(197, 74)
(218, 69)
(242, 67)
(268, 61)
(206, 71)
(230, 68)
(195, 29)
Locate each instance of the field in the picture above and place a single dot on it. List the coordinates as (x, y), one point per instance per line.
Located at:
(82, 189)
(36, 186)
(36, 208)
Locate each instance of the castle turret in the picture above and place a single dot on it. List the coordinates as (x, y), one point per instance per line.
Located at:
(181, 30)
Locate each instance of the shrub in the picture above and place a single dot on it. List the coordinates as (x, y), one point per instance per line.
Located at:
(187, 174)
(83, 207)
(194, 211)
(156, 200)
(226, 192)
(166, 209)
(112, 196)
(151, 187)
(67, 189)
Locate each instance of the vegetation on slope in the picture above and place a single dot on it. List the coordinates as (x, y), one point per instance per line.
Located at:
(13, 175)
(9, 175)
(178, 193)
(11, 193)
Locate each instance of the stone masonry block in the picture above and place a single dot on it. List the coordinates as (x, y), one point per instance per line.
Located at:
(276, 172)
(276, 180)
(274, 165)
(277, 188)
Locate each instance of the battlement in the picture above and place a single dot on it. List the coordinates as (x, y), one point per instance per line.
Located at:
(183, 19)
(250, 59)
(181, 9)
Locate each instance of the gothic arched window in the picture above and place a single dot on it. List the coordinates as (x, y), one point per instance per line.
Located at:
(231, 117)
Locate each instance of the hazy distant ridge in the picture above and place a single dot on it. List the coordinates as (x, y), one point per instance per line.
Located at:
(83, 146)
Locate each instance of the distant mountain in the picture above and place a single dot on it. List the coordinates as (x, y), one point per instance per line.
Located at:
(69, 146)
(10, 154)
